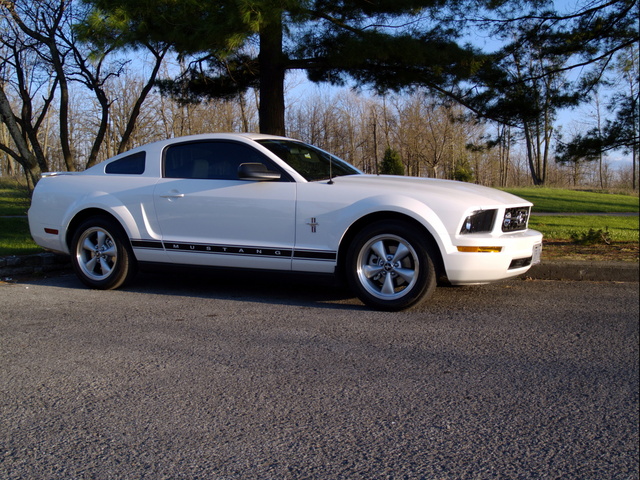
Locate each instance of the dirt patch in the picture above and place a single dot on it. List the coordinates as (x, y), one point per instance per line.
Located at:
(568, 250)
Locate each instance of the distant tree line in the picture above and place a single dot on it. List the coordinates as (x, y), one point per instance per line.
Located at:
(81, 80)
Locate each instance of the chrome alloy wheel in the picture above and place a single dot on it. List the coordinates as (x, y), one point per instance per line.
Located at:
(387, 266)
(96, 253)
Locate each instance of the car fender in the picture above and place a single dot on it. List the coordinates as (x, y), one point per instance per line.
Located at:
(110, 204)
(399, 205)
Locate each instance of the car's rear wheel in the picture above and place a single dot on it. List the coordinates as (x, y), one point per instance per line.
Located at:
(390, 266)
(101, 255)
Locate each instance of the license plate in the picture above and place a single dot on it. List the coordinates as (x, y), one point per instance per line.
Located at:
(537, 254)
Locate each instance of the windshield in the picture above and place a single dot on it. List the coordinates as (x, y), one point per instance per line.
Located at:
(310, 162)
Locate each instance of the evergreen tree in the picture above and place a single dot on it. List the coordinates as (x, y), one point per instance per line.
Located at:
(463, 173)
(252, 44)
(391, 163)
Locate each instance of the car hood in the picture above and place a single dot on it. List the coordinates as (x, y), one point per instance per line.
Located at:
(452, 191)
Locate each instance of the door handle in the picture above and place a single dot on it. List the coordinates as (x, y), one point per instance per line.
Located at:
(172, 195)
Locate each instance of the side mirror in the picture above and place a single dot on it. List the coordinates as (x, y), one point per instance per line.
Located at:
(256, 172)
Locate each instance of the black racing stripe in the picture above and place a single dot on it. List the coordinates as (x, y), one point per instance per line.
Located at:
(147, 244)
(314, 255)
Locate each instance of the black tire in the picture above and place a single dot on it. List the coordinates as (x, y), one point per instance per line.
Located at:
(389, 266)
(101, 254)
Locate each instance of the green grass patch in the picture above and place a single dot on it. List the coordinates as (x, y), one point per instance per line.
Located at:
(14, 197)
(557, 200)
(15, 238)
(619, 229)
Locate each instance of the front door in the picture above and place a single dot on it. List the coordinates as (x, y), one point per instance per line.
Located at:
(208, 216)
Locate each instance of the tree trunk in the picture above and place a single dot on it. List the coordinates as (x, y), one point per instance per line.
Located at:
(65, 138)
(102, 128)
(532, 155)
(24, 156)
(272, 72)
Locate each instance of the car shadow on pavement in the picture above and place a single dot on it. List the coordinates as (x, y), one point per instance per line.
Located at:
(323, 291)
(278, 288)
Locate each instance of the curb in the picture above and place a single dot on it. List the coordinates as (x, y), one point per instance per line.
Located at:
(38, 263)
(588, 271)
(553, 270)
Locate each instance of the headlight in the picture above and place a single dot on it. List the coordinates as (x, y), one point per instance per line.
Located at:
(480, 221)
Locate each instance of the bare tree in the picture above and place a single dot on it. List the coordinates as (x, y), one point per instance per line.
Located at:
(43, 61)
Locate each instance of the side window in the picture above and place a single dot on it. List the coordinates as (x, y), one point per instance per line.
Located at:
(209, 160)
(129, 165)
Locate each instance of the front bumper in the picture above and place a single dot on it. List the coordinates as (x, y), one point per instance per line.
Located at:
(518, 252)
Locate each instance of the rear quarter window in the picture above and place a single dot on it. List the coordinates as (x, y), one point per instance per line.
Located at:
(129, 165)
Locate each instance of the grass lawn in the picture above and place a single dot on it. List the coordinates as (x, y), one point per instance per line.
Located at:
(584, 237)
(14, 198)
(14, 232)
(556, 200)
(619, 229)
(15, 238)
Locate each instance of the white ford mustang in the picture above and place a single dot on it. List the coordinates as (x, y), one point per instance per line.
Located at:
(265, 202)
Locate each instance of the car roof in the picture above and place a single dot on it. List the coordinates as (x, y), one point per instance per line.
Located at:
(216, 136)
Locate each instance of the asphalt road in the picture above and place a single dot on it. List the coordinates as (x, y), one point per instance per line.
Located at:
(279, 378)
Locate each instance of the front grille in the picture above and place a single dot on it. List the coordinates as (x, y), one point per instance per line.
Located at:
(515, 219)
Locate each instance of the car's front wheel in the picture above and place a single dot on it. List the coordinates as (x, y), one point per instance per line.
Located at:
(101, 255)
(390, 266)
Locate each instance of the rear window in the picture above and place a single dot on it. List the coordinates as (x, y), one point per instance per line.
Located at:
(129, 165)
